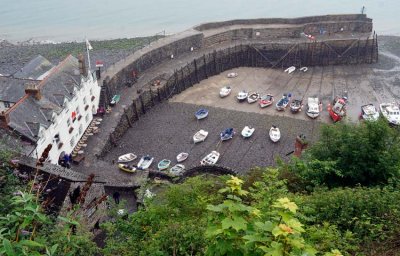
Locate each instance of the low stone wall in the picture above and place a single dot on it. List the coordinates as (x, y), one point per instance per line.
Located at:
(302, 20)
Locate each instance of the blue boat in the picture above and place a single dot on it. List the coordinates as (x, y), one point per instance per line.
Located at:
(201, 113)
(227, 134)
(283, 102)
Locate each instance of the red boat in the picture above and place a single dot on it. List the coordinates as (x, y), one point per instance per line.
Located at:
(337, 110)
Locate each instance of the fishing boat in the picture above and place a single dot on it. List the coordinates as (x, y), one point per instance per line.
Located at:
(296, 105)
(242, 96)
(182, 157)
(274, 133)
(227, 134)
(177, 169)
(283, 102)
(247, 131)
(369, 112)
(200, 136)
(314, 107)
(225, 91)
(253, 97)
(127, 168)
(266, 100)
(145, 162)
(201, 113)
(127, 158)
(338, 108)
(210, 159)
(163, 164)
(232, 75)
(391, 112)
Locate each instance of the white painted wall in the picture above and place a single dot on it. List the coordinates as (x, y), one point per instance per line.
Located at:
(61, 125)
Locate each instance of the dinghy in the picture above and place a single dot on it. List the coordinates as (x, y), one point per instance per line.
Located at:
(253, 97)
(290, 69)
(182, 157)
(227, 134)
(163, 164)
(145, 162)
(201, 113)
(177, 169)
(232, 75)
(127, 168)
(200, 136)
(283, 102)
(242, 95)
(369, 112)
(391, 112)
(127, 158)
(304, 69)
(296, 106)
(266, 100)
(313, 107)
(247, 131)
(225, 91)
(274, 134)
(210, 159)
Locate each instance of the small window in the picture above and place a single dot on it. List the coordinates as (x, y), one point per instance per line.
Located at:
(87, 118)
(80, 129)
(77, 110)
(68, 122)
(84, 100)
(72, 142)
(91, 92)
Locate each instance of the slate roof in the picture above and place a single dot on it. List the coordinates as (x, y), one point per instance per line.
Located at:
(12, 89)
(37, 69)
(28, 115)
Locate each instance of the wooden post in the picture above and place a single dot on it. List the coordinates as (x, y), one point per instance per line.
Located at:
(158, 94)
(135, 109)
(127, 118)
(142, 104)
(151, 97)
(196, 71)
(205, 66)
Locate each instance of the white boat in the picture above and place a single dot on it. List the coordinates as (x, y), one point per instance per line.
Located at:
(182, 157)
(253, 97)
(163, 164)
(304, 69)
(177, 169)
(242, 95)
(127, 158)
(145, 162)
(274, 133)
(369, 112)
(391, 112)
(210, 159)
(313, 107)
(225, 91)
(290, 69)
(232, 75)
(200, 136)
(247, 131)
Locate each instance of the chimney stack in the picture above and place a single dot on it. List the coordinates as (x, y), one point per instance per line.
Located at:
(82, 65)
(33, 90)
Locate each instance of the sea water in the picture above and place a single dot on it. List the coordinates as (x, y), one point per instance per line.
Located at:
(74, 20)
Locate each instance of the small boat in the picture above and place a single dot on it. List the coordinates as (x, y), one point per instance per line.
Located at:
(225, 91)
(128, 168)
(163, 164)
(242, 95)
(296, 106)
(283, 102)
(115, 99)
(127, 158)
(182, 157)
(266, 100)
(338, 108)
(369, 112)
(391, 112)
(201, 113)
(177, 169)
(200, 136)
(247, 131)
(227, 134)
(274, 133)
(210, 159)
(253, 97)
(304, 69)
(290, 69)
(145, 162)
(232, 75)
(314, 107)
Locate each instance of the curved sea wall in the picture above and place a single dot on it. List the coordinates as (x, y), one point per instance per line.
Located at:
(175, 63)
